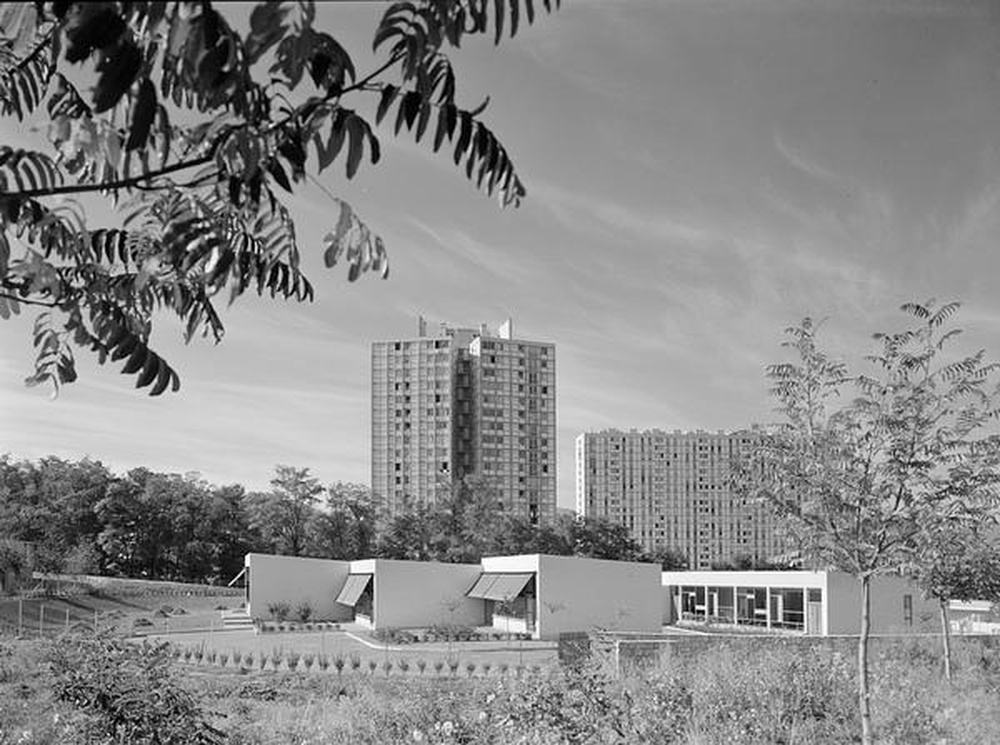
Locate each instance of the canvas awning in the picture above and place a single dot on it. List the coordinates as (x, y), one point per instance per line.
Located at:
(353, 588)
(237, 578)
(500, 586)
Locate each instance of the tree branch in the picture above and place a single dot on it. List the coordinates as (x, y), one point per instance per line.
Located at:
(120, 184)
(26, 301)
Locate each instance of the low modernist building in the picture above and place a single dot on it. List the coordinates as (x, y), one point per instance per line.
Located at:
(388, 593)
(295, 582)
(821, 603)
(546, 595)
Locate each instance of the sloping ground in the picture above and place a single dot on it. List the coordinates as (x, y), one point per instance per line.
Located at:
(135, 607)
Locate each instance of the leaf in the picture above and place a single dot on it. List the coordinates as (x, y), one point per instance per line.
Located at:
(142, 115)
(355, 146)
(267, 27)
(116, 71)
(275, 169)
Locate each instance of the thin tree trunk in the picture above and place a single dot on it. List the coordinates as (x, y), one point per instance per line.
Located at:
(864, 696)
(946, 638)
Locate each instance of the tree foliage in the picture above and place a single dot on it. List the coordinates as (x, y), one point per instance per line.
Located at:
(869, 471)
(179, 129)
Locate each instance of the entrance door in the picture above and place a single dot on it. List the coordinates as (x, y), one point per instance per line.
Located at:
(814, 619)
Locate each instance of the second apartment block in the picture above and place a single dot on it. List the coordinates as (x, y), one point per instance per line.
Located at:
(671, 490)
(465, 401)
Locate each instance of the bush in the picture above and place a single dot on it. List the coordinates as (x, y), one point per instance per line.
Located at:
(421, 665)
(308, 659)
(127, 692)
(371, 666)
(303, 611)
(291, 660)
(355, 662)
(279, 611)
(238, 657)
(438, 666)
(338, 662)
(324, 662)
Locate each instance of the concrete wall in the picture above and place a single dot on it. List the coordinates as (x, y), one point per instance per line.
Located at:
(844, 612)
(578, 594)
(293, 579)
(417, 594)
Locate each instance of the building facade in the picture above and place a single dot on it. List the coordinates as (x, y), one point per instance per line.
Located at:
(465, 402)
(672, 491)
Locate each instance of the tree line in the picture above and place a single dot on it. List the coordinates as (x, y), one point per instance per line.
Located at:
(80, 517)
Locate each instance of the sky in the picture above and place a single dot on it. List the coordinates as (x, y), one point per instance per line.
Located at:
(701, 174)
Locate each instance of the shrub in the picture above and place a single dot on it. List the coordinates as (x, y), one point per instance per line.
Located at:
(387, 667)
(453, 665)
(303, 611)
(486, 668)
(421, 665)
(470, 668)
(404, 666)
(187, 654)
(308, 659)
(238, 657)
(338, 662)
(279, 611)
(503, 667)
(324, 662)
(223, 659)
(355, 662)
(211, 656)
(371, 666)
(262, 662)
(275, 659)
(247, 658)
(438, 666)
(292, 660)
(126, 692)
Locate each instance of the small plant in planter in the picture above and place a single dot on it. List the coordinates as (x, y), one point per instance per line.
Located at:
(247, 659)
(404, 666)
(355, 662)
(470, 668)
(338, 663)
(308, 659)
(503, 667)
(371, 666)
(199, 654)
(453, 666)
(486, 668)
(292, 660)
(303, 611)
(237, 657)
(279, 611)
(262, 662)
(187, 654)
(324, 662)
(421, 665)
(223, 659)
(212, 656)
(387, 667)
(276, 658)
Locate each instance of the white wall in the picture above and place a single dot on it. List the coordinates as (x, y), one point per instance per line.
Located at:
(578, 594)
(293, 579)
(417, 594)
(841, 597)
(886, 609)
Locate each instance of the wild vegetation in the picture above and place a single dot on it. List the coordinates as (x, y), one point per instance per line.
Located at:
(73, 691)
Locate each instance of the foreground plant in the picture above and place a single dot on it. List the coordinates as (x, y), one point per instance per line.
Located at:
(872, 473)
(179, 127)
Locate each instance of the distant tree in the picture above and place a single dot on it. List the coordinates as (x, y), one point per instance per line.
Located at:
(864, 486)
(601, 539)
(959, 563)
(198, 131)
(356, 503)
(282, 516)
(671, 560)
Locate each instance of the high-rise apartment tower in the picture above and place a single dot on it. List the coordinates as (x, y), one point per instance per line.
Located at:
(672, 490)
(465, 402)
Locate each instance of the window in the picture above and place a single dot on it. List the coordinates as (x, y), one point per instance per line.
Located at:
(908, 610)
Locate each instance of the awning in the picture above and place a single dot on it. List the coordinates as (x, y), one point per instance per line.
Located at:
(236, 579)
(353, 588)
(499, 585)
